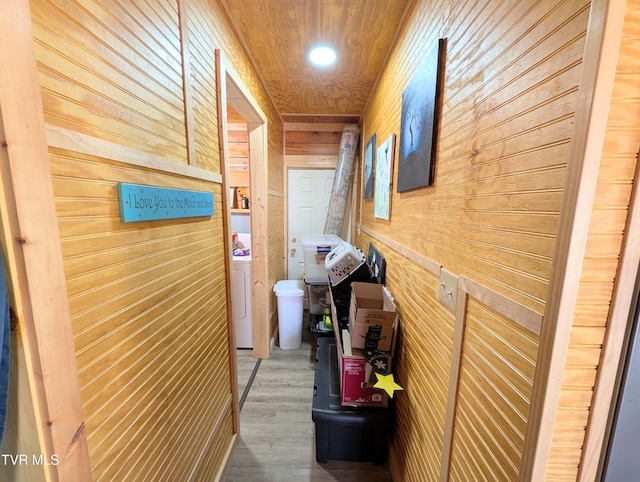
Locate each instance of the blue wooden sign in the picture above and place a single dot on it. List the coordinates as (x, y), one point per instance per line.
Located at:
(147, 203)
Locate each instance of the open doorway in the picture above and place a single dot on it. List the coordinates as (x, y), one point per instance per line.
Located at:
(240, 197)
(235, 98)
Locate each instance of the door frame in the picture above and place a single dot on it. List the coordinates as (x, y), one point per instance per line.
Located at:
(233, 92)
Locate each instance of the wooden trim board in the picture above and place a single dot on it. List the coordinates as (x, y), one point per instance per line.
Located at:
(259, 236)
(212, 437)
(62, 138)
(221, 93)
(38, 283)
(416, 258)
(313, 126)
(454, 383)
(310, 162)
(520, 314)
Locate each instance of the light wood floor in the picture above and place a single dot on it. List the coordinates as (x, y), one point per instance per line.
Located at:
(277, 435)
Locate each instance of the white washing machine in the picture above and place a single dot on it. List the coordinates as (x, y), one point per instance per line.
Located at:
(241, 294)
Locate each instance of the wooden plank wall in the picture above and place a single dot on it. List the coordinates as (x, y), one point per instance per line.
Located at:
(199, 68)
(496, 380)
(277, 260)
(310, 142)
(135, 74)
(239, 161)
(238, 155)
(148, 300)
(148, 307)
(276, 219)
(512, 74)
(618, 166)
(312, 139)
(421, 365)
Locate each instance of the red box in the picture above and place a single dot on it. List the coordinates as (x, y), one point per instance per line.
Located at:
(357, 387)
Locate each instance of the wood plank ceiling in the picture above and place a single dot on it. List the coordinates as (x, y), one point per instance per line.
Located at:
(278, 35)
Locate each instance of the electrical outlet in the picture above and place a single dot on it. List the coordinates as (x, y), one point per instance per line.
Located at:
(448, 292)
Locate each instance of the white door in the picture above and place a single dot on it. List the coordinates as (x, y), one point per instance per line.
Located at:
(309, 194)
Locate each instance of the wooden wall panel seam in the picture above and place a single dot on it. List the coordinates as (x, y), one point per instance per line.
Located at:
(187, 82)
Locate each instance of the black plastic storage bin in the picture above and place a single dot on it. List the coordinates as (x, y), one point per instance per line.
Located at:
(344, 433)
(317, 326)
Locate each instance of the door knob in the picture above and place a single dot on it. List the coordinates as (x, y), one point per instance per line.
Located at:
(293, 252)
(293, 240)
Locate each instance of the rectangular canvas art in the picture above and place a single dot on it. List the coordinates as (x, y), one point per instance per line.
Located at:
(369, 158)
(384, 170)
(419, 122)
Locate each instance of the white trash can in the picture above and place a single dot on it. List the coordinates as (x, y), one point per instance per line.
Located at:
(290, 294)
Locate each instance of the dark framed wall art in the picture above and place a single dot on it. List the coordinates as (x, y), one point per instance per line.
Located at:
(421, 106)
(369, 163)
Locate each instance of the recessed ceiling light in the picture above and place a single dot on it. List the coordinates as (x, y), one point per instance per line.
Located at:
(322, 55)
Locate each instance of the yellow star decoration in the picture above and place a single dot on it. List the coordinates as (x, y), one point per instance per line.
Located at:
(387, 383)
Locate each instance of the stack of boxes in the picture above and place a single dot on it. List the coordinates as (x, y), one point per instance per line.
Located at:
(365, 323)
(352, 417)
(363, 313)
(366, 345)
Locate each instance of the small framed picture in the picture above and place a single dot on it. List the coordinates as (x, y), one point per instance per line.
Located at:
(369, 162)
(384, 172)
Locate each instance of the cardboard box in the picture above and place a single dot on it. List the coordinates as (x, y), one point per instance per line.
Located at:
(372, 317)
(356, 374)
